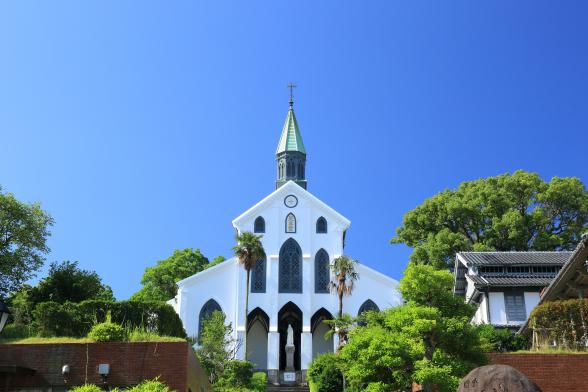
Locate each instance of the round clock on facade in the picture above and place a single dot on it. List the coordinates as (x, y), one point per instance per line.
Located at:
(291, 201)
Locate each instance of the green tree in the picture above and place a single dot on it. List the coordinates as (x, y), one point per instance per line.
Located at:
(343, 268)
(216, 346)
(159, 281)
(24, 229)
(248, 251)
(509, 212)
(66, 282)
(429, 340)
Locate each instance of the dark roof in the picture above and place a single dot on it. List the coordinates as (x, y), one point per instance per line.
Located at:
(510, 281)
(514, 258)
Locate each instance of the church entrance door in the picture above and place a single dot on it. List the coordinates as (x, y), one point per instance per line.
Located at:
(290, 314)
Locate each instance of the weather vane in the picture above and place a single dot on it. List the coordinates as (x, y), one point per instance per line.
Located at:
(291, 86)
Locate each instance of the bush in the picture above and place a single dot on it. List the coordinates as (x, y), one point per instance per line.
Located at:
(259, 382)
(107, 332)
(325, 374)
(562, 322)
(76, 319)
(237, 374)
(150, 386)
(501, 339)
(17, 331)
(86, 388)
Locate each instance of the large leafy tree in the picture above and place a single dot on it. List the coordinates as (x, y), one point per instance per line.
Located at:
(159, 281)
(248, 251)
(429, 340)
(24, 229)
(66, 282)
(509, 212)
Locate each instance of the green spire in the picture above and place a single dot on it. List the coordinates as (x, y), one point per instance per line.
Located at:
(291, 140)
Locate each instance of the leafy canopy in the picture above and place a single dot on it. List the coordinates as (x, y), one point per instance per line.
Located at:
(24, 229)
(159, 281)
(66, 282)
(509, 212)
(429, 340)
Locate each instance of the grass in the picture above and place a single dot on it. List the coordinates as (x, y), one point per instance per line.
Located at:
(553, 351)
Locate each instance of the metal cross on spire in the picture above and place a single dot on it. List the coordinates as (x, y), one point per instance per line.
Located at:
(291, 86)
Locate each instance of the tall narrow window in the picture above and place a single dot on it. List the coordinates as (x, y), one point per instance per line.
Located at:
(259, 225)
(321, 225)
(321, 272)
(290, 268)
(290, 223)
(258, 277)
(207, 309)
(514, 304)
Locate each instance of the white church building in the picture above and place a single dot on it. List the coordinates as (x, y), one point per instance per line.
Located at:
(301, 237)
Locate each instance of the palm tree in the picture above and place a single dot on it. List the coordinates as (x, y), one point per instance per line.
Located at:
(248, 250)
(344, 270)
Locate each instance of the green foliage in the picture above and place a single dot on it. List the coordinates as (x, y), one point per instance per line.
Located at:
(150, 386)
(107, 332)
(259, 382)
(510, 212)
(66, 282)
(429, 340)
(76, 320)
(501, 339)
(249, 249)
(24, 229)
(325, 374)
(216, 346)
(159, 281)
(145, 386)
(86, 388)
(564, 323)
(236, 374)
(424, 285)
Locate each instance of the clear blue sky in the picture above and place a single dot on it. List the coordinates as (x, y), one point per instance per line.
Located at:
(148, 126)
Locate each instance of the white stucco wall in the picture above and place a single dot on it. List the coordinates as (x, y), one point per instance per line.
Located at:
(498, 310)
(226, 282)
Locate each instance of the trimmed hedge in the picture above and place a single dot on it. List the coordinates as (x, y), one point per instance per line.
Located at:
(564, 323)
(76, 319)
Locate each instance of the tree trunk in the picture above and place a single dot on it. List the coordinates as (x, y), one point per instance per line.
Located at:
(246, 313)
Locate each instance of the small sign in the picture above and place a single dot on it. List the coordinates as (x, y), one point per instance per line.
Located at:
(290, 376)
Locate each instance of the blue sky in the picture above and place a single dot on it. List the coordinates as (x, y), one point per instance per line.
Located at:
(148, 126)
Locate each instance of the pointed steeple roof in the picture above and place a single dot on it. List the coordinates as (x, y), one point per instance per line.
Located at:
(291, 140)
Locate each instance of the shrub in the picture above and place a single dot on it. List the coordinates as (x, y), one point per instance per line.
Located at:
(150, 386)
(76, 319)
(237, 374)
(562, 322)
(325, 374)
(501, 339)
(86, 388)
(259, 381)
(107, 332)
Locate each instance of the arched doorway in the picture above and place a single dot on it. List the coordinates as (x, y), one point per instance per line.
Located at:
(290, 314)
(257, 329)
(321, 345)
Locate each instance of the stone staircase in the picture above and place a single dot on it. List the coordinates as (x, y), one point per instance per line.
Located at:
(287, 388)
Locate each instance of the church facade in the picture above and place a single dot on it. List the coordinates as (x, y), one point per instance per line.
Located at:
(301, 237)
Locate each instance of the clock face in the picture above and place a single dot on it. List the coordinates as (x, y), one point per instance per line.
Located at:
(291, 201)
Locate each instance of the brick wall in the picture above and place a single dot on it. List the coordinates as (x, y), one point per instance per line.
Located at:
(551, 372)
(130, 363)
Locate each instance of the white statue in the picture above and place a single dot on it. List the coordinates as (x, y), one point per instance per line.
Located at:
(290, 336)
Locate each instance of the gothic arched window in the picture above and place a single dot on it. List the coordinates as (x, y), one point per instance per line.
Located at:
(290, 223)
(321, 225)
(321, 272)
(368, 306)
(258, 277)
(290, 267)
(259, 225)
(207, 309)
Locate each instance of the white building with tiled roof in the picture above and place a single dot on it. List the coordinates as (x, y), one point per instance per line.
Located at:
(505, 286)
